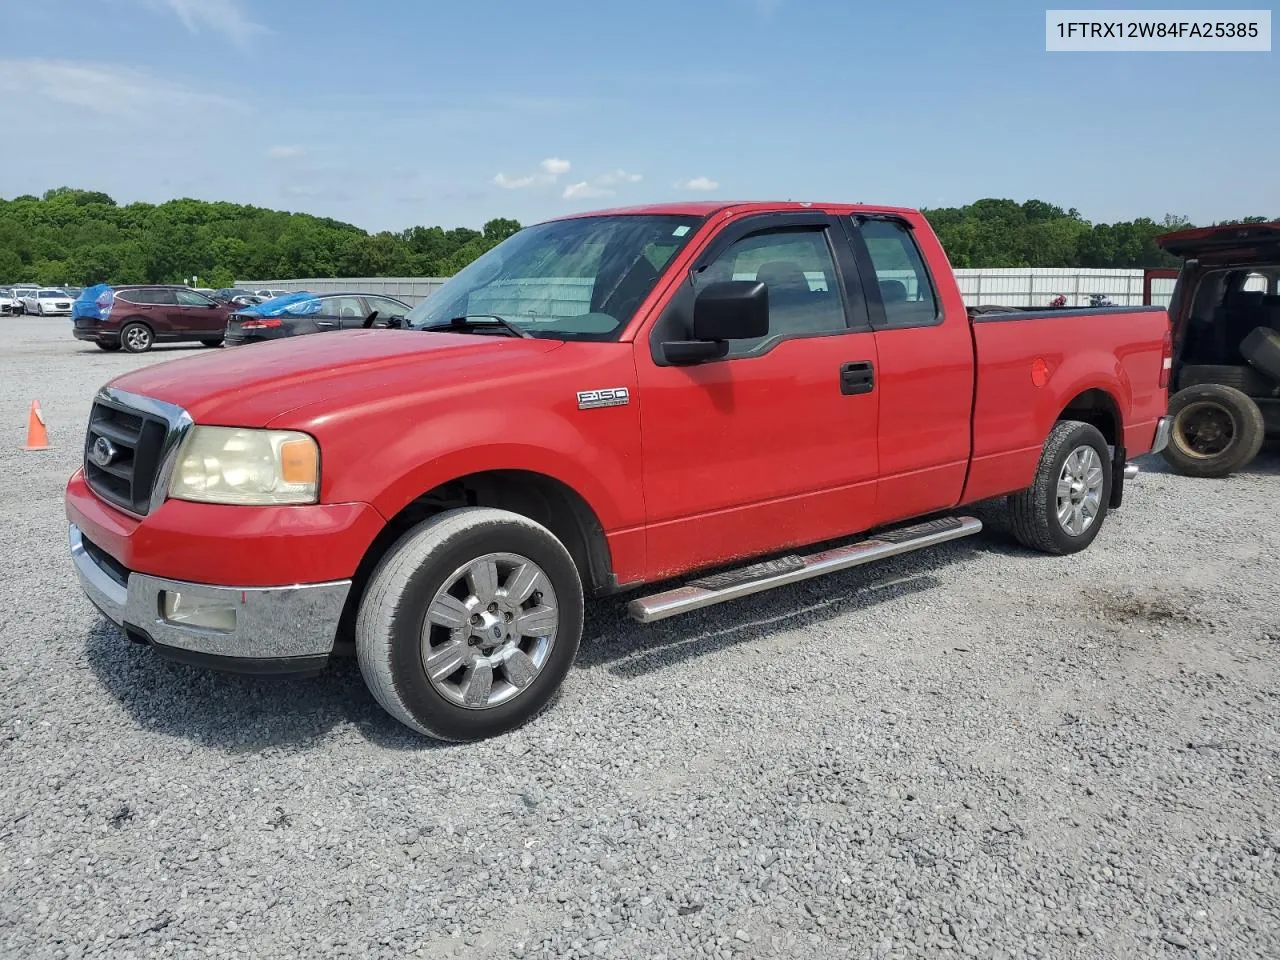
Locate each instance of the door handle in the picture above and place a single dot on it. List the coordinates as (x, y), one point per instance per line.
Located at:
(857, 377)
(326, 324)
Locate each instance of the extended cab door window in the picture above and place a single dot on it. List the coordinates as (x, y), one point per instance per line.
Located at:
(797, 267)
(906, 291)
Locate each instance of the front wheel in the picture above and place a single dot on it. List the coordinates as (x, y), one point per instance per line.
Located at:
(470, 623)
(1063, 509)
(1216, 431)
(212, 343)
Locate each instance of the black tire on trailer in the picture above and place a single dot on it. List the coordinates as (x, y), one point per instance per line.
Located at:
(470, 623)
(1244, 378)
(1262, 349)
(1216, 431)
(109, 347)
(1066, 504)
(136, 337)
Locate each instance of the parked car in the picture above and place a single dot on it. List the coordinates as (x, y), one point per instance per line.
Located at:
(711, 384)
(72, 292)
(1226, 335)
(300, 313)
(9, 304)
(138, 316)
(21, 292)
(47, 301)
(237, 296)
(272, 294)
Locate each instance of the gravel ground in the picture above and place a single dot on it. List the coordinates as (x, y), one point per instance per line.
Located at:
(972, 752)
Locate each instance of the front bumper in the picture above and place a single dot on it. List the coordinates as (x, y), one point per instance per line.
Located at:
(277, 629)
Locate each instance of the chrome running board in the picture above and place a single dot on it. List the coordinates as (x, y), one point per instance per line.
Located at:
(732, 584)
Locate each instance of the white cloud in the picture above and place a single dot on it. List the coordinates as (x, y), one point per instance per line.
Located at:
(554, 167)
(31, 86)
(616, 177)
(512, 183)
(583, 190)
(698, 183)
(284, 152)
(221, 16)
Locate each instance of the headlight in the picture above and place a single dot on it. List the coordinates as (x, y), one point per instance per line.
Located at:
(230, 465)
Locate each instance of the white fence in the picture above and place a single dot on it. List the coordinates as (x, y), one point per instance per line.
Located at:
(1012, 287)
(409, 289)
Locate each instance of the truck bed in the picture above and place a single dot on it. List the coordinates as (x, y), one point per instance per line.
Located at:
(1071, 353)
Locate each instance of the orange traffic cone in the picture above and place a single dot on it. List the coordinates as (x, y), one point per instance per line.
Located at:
(37, 435)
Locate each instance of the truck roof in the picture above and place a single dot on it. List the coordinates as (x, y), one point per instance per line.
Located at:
(705, 208)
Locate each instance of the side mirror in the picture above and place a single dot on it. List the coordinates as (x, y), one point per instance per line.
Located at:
(730, 310)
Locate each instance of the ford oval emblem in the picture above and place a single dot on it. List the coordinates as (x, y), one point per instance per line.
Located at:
(104, 452)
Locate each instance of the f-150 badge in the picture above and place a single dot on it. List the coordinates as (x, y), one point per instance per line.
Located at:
(608, 397)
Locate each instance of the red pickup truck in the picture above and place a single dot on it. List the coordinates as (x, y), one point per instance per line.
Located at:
(601, 402)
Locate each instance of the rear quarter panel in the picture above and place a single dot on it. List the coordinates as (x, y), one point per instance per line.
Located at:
(1116, 351)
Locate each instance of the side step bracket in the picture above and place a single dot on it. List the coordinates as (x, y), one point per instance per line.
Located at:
(732, 584)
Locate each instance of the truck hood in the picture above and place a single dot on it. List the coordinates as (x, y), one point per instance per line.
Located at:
(251, 385)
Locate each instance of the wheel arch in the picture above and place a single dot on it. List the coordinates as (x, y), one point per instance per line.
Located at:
(538, 496)
(1098, 407)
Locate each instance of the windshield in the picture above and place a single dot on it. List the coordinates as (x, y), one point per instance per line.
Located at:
(50, 294)
(576, 279)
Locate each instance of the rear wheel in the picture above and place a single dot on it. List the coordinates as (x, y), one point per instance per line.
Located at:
(470, 624)
(1217, 430)
(1063, 509)
(109, 347)
(212, 343)
(136, 337)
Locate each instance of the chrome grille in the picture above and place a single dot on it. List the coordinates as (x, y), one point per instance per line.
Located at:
(130, 448)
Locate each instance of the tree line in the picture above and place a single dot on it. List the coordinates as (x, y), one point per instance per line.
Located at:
(82, 237)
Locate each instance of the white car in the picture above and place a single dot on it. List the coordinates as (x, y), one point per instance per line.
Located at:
(48, 301)
(20, 293)
(9, 304)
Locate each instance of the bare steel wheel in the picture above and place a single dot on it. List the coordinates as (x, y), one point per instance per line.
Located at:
(489, 630)
(1204, 430)
(1080, 490)
(470, 623)
(1216, 430)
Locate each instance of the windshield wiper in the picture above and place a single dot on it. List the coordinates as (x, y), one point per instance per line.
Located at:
(470, 320)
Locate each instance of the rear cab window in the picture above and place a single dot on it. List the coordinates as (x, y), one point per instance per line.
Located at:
(906, 290)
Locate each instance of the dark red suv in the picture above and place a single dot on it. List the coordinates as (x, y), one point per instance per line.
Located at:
(136, 317)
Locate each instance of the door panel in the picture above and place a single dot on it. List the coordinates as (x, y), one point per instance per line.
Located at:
(761, 450)
(346, 313)
(925, 373)
(196, 315)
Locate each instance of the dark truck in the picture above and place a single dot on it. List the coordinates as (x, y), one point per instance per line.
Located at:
(1225, 315)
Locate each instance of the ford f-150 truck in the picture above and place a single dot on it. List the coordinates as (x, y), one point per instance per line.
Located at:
(694, 391)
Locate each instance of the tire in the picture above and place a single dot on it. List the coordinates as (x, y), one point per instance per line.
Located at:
(136, 337)
(1057, 519)
(212, 343)
(416, 575)
(1216, 431)
(1245, 379)
(109, 347)
(1262, 349)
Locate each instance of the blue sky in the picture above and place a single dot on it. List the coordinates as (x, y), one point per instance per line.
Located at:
(389, 113)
